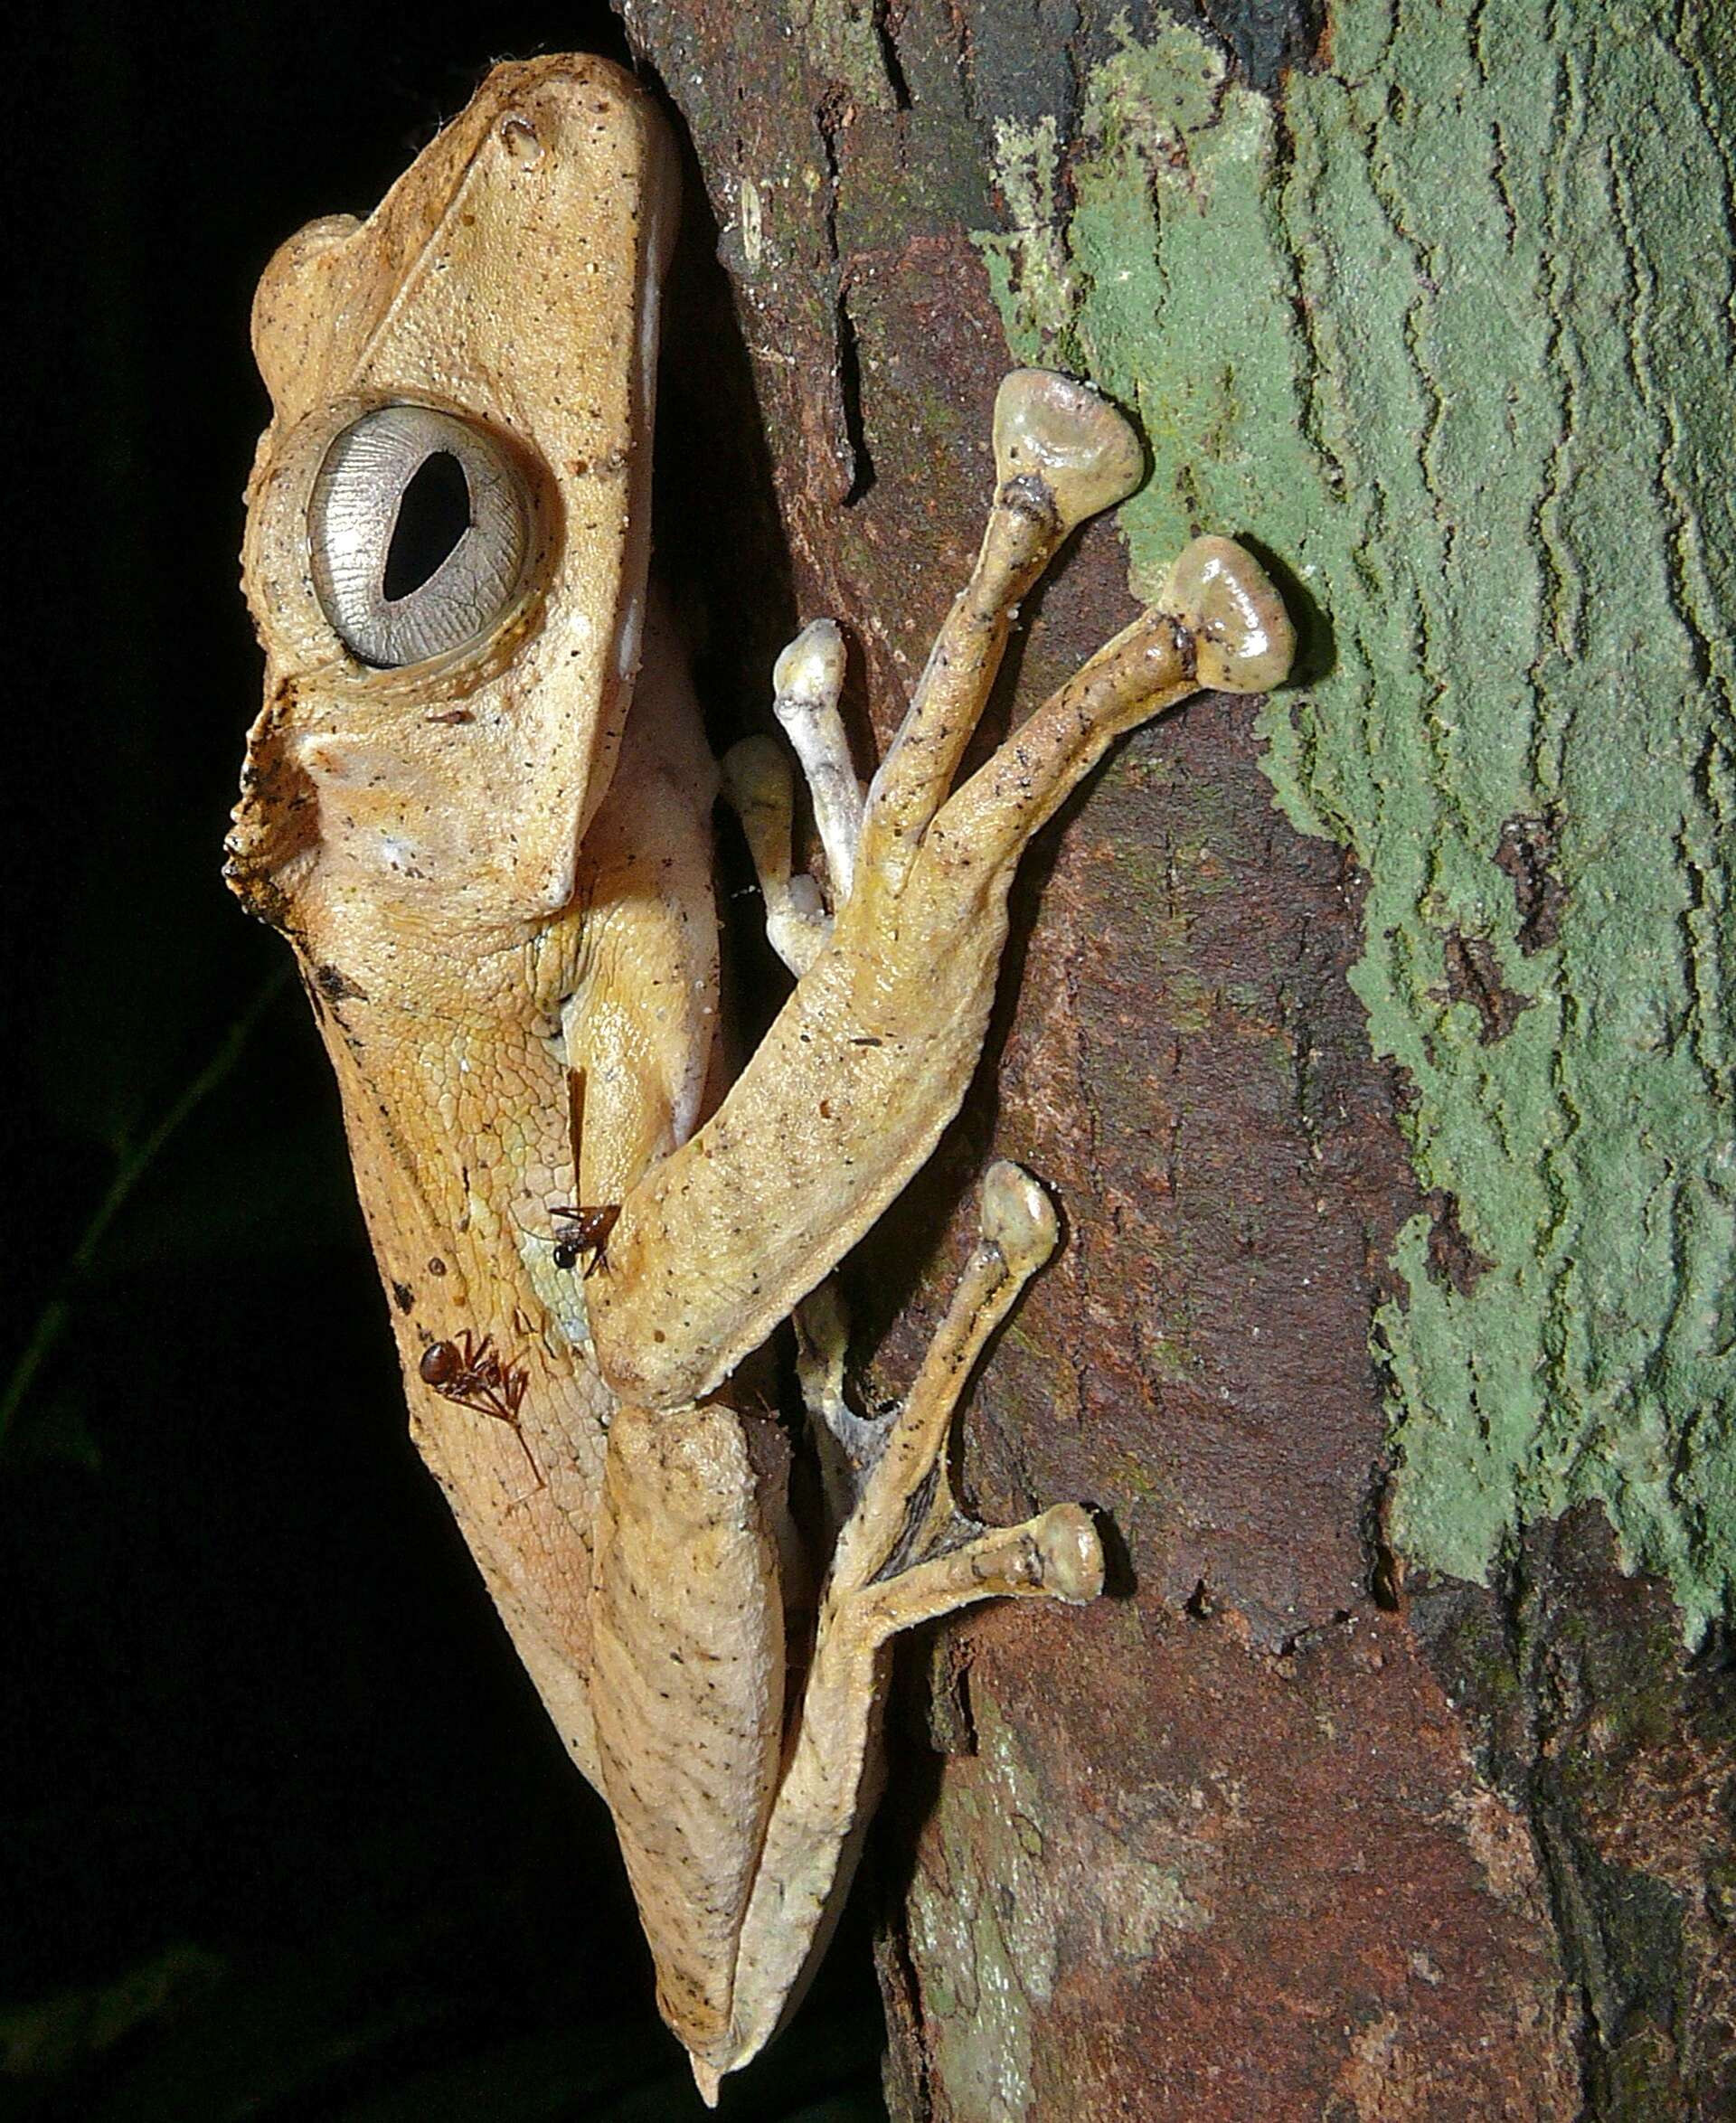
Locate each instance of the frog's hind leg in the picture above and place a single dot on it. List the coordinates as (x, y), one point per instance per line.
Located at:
(906, 1556)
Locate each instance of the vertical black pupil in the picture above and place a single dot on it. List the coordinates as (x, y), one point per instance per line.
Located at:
(433, 514)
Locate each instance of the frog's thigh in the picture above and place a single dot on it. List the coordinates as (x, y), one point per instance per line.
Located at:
(687, 1686)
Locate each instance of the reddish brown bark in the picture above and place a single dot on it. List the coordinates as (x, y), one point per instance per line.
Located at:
(1268, 1833)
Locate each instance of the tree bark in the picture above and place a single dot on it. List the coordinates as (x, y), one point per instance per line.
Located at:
(1375, 1043)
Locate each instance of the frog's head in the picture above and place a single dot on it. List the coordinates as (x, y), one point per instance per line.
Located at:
(448, 518)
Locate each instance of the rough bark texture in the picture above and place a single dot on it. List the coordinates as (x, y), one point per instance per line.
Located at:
(1375, 1048)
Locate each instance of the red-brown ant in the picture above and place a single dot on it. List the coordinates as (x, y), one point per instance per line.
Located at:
(472, 1373)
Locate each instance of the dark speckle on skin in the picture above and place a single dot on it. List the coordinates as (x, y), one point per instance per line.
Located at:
(337, 986)
(403, 1296)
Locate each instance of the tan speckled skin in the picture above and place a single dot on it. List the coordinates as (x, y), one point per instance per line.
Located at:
(497, 883)
(429, 870)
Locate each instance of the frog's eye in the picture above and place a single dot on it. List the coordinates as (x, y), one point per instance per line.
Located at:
(417, 531)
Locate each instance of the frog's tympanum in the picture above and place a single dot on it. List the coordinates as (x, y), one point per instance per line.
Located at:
(478, 804)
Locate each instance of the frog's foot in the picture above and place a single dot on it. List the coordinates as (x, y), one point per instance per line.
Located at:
(906, 1556)
(930, 858)
(1061, 454)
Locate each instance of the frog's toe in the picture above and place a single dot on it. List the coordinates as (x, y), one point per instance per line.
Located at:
(757, 785)
(1072, 1553)
(1017, 1216)
(806, 682)
(1242, 636)
(1069, 438)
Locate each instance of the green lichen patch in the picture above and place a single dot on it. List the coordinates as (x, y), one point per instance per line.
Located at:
(997, 1893)
(1447, 333)
(842, 40)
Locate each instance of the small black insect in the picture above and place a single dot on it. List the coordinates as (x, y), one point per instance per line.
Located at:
(582, 1231)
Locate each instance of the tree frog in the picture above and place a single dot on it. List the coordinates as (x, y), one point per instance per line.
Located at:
(478, 803)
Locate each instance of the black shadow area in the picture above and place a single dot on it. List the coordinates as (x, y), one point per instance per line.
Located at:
(283, 1831)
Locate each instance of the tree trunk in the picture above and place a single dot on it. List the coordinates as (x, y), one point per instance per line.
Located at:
(1373, 1043)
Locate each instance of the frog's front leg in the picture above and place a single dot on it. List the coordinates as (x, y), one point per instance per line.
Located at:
(848, 1093)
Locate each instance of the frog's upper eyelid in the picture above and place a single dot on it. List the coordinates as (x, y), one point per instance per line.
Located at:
(358, 522)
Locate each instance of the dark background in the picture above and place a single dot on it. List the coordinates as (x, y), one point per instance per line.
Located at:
(283, 1833)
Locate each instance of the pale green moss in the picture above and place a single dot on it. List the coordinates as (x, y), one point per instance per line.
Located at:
(991, 1902)
(1450, 336)
(842, 39)
(1001, 1943)
(1028, 269)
